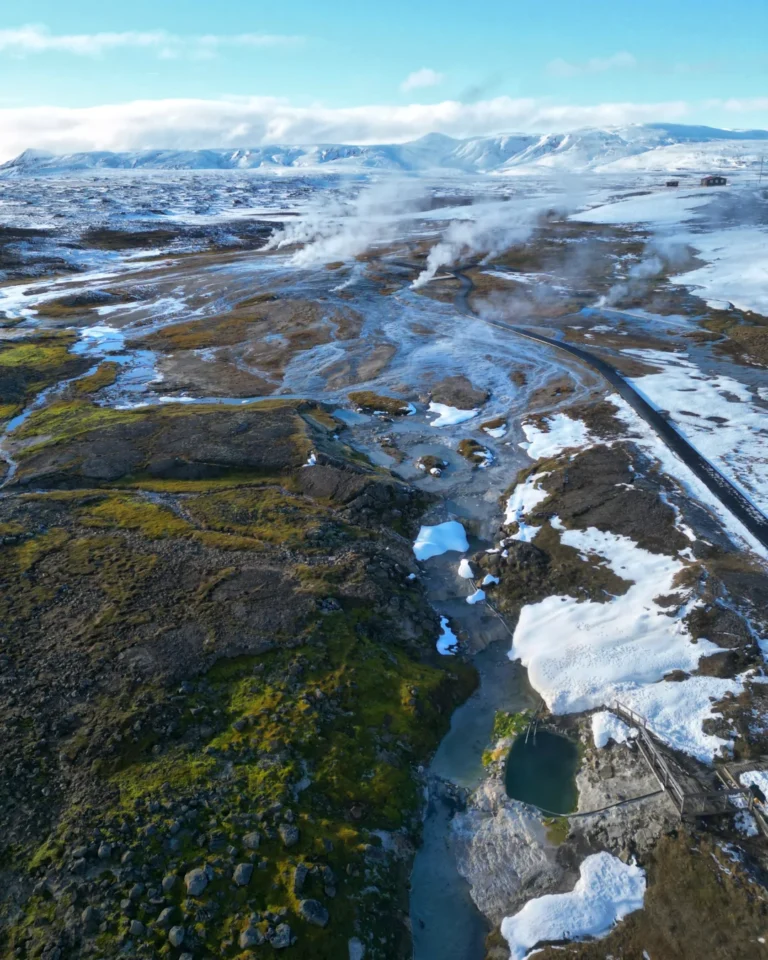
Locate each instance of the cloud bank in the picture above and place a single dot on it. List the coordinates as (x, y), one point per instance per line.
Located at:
(36, 39)
(255, 121)
(421, 78)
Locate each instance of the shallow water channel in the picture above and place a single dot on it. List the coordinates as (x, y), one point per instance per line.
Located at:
(445, 921)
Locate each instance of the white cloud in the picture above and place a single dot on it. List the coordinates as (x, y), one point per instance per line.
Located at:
(618, 61)
(254, 121)
(32, 39)
(421, 78)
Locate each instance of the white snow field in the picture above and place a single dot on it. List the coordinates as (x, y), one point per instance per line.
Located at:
(607, 891)
(581, 654)
(736, 271)
(432, 541)
(717, 415)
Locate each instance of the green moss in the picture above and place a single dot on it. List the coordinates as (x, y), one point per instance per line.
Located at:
(134, 513)
(263, 513)
(104, 376)
(557, 829)
(509, 724)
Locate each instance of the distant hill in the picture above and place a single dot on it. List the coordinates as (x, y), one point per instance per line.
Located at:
(642, 147)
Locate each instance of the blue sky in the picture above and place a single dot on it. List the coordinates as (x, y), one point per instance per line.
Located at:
(342, 67)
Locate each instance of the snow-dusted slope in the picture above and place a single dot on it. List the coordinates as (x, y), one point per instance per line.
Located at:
(637, 148)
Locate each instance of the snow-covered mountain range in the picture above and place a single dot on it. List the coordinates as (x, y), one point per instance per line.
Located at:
(636, 148)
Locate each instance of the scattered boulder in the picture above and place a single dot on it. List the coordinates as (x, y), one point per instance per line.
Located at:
(176, 936)
(196, 881)
(289, 834)
(251, 937)
(242, 874)
(313, 912)
(282, 937)
(251, 841)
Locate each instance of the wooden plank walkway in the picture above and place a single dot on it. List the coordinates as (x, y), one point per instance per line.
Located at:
(690, 803)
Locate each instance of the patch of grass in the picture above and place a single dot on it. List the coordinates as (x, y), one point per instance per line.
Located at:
(509, 724)
(473, 451)
(372, 402)
(134, 513)
(557, 829)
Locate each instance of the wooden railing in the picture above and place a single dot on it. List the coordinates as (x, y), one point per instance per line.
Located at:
(689, 803)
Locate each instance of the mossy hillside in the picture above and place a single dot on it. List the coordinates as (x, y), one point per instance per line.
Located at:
(169, 686)
(76, 442)
(346, 712)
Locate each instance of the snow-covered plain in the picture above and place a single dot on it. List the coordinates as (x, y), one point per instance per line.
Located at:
(607, 891)
(716, 414)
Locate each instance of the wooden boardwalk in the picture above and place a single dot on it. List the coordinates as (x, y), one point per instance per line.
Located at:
(690, 803)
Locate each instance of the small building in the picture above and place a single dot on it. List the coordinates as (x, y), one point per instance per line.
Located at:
(673, 183)
(713, 180)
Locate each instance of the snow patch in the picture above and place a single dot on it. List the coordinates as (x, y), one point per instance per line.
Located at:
(561, 434)
(477, 597)
(525, 497)
(607, 726)
(465, 569)
(607, 891)
(447, 642)
(440, 538)
(450, 416)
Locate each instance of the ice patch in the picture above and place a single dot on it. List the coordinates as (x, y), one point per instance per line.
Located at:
(607, 726)
(477, 597)
(607, 891)
(450, 416)
(441, 538)
(447, 641)
(562, 434)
